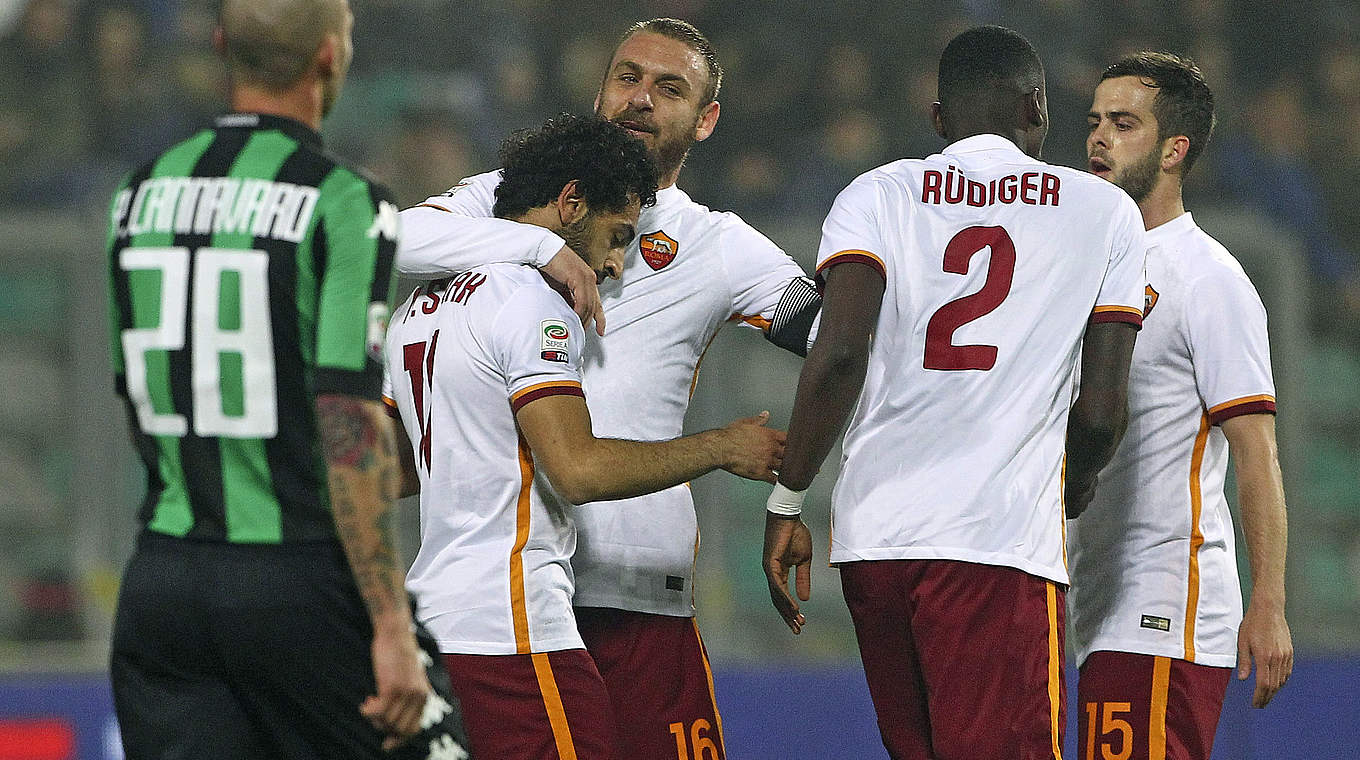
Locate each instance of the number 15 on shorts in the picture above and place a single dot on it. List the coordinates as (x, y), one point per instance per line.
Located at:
(1114, 731)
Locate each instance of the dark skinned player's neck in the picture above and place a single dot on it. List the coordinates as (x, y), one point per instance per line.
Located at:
(1016, 136)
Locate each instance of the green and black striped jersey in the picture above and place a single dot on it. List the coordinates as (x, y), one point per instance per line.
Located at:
(249, 272)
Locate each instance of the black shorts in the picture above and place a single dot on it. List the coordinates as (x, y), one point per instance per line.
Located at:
(254, 651)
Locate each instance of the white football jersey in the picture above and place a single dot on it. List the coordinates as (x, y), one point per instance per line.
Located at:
(994, 264)
(463, 355)
(1153, 566)
(690, 271)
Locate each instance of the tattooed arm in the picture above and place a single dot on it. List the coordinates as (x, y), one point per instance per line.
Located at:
(361, 457)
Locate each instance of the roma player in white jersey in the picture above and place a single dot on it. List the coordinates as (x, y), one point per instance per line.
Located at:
(1155, 599)
(689, 272)
(485, 371)
(960, 290)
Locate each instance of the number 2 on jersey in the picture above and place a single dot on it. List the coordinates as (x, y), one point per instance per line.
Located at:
(941, 353)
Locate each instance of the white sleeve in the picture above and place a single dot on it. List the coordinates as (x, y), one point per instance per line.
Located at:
(1124, 288)
(1229, 349)
(390, 350)
(455, 231)
(850, 232)
(536, 342)
(758, 272)
(387, 396)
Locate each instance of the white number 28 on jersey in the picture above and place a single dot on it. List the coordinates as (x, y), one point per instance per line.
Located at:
(252, 340)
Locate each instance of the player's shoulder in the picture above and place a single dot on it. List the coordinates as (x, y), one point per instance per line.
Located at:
(675, 206)
(895, 180)
(338, 182)
(1078, 183)
(1207, 259)
(894, 174)
(515, 292)
(681, 217)
(513, 282)
(486, 182)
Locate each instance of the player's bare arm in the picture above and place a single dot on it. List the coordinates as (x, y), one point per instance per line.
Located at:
(569, 274)
(361, 456)
(828, 387)
(584, 468)
(1101, 412)
(406, 462)
(1264, 635)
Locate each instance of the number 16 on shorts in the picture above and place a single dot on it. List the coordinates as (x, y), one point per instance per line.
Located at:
(696, 738)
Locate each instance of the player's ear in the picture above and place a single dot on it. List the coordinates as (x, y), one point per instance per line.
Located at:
(937, 119)
(327, 56)
(571, 204)
(1033, 107)
(708, 121)
(1174, 150)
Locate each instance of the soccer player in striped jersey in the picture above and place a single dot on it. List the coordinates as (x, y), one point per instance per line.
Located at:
(262, 614)
(689, 272)
(1156, 606)
(960, 291)
(485, 369)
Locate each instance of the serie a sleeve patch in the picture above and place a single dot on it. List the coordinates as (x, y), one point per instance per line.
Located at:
(552, 336)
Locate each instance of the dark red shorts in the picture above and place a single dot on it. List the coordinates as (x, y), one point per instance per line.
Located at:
(964, 661)
(659, 680)
(1141, 707)
(550, 706)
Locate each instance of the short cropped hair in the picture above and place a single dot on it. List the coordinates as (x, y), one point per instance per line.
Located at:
(272, 43)
(684, 31)
(987, 58)
(609, 166)
(1184, 104)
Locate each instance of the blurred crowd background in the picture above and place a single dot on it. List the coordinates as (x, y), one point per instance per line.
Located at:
(815, 94)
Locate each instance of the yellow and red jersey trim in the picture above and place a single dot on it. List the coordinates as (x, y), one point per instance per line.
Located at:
(431, 205)
(754, 320)
(1125, 314)
(850, 256)
(1263, 403)
(391, 405)
(543, 390)
(1196, 536)
(519, 609)
(552, 703)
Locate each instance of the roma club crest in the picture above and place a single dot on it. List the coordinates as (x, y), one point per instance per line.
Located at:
(658, 249)
(1149, 300)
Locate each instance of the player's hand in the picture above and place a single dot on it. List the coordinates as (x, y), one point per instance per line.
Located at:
(788, 546)
(571, 276)
(753, 450)
(1264, 637)
(402, 684)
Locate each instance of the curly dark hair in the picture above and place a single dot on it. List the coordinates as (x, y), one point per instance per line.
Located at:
(609, 165)
(1184, 104)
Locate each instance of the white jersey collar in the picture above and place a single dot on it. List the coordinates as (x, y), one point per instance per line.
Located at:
(1172, 229)
(670, 196)
(978, 143)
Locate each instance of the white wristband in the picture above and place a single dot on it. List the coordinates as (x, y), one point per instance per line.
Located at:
(784, 501)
